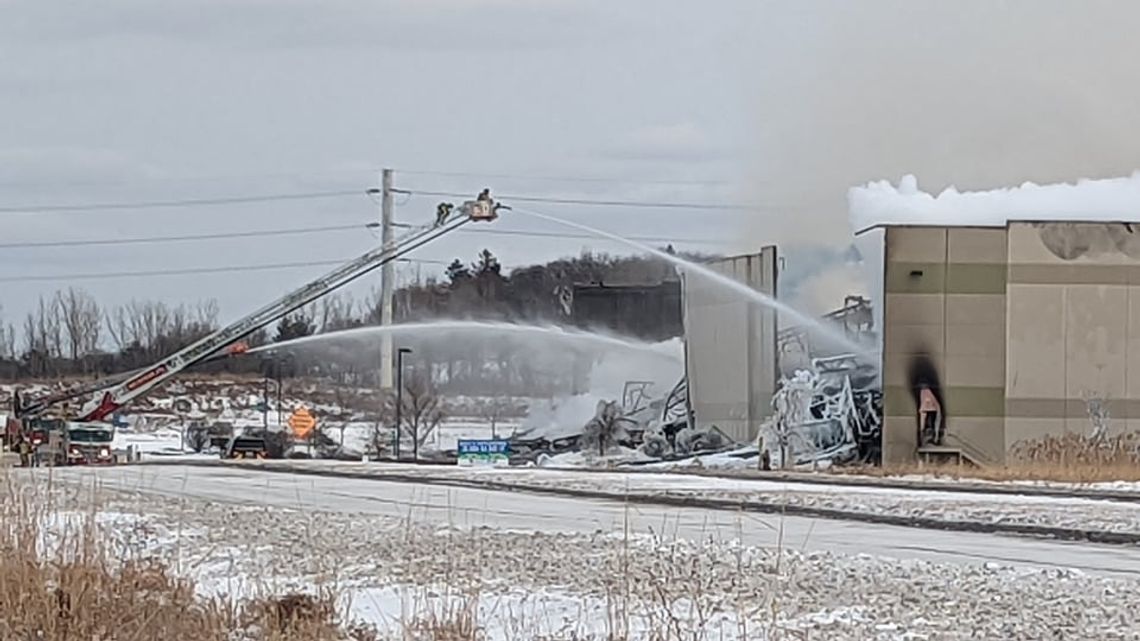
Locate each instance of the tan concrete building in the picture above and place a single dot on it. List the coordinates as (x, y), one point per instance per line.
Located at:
(1020, 329)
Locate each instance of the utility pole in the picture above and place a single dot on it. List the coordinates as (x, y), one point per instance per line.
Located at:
(400, 404)
(387, 276)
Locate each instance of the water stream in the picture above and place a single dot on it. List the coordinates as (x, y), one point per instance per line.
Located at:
(760, 298)
(547, 333)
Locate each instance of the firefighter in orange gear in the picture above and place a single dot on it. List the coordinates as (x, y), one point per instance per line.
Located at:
(929, 417)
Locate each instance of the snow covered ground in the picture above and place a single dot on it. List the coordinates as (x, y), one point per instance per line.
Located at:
(561, 568)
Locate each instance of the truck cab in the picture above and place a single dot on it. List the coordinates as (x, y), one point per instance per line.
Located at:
(40, 430)
(85, 444)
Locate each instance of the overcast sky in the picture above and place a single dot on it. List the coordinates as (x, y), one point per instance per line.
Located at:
(128, 100)
(781, 105)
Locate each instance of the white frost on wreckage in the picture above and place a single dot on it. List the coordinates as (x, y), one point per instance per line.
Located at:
(819, 415)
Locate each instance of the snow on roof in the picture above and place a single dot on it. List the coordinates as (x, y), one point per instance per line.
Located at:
(881, 203)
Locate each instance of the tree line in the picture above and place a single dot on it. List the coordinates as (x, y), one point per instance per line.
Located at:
(70, 334)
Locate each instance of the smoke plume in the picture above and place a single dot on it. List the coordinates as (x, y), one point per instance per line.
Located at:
(973, 93)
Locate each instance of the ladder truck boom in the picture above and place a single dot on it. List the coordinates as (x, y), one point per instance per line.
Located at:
(63, 396)
(120, 392)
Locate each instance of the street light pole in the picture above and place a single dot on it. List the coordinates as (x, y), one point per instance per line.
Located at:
(399, 393)
(265, 403)
(277, 372)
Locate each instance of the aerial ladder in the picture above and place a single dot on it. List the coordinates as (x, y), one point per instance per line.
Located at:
(110, 395)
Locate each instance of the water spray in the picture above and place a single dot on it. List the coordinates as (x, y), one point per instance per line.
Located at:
(545, 331)
(735, 285)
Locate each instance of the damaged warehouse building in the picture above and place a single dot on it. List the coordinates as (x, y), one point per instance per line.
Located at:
(802, 398)
(1015, 326)
(744, 375)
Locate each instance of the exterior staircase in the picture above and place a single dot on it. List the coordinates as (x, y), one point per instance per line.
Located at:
(955, 451)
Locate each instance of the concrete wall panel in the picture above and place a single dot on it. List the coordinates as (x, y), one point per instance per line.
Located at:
(1095, 340)
(950, 306)
(896, 366)
(731, 346)
(976, 245)
(970, 339)
(1132, 342)
(1019, 429)
(914, 309)
(1074, 243)
(974, 370)
(982, 437)
(916, 244)
(1117, 423)
(975, 309)
(900, 438)
(914, 339)
(1035, 353)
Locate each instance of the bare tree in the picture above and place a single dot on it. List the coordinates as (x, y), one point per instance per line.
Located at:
(334, 312)
(43, 339)
(7, 338)
(421, 408)
(81, 322)
(495, 409)
(380, 434)
(42, 328)
(8, 341)
(117, 327)
(206, 313)
(379, 439)
(139, 324)
(370, 307)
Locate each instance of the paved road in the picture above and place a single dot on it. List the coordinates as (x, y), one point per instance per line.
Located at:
(517, 511)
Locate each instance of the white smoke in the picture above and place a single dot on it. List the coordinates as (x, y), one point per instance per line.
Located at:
(973, 93)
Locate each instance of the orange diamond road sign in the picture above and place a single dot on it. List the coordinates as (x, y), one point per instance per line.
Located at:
(302, 422)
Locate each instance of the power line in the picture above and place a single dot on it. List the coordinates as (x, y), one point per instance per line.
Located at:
(189, 202)
(589, 201)
(311, 173)
(192, 270)
(554, 234)
(580, 179)
(173, 239)
(298, 231)
(195, 178)
(269, 266)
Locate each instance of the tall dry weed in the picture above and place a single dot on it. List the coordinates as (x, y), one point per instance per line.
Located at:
(65, 581)
(1065, 458)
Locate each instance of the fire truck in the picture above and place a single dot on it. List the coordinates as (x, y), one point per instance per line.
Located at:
(106, 396)
(79, 444)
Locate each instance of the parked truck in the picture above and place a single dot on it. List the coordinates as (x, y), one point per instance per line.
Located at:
(80, 444)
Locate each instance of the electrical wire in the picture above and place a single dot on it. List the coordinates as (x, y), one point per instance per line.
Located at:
(588, 201)
(579, 179)
(189, 202)
(262, 233)
(298, 231)
(554, 234)
(271, 266)
(193, 270)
